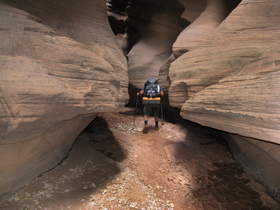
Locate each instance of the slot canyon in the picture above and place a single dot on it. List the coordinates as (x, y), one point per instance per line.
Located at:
(71, 121)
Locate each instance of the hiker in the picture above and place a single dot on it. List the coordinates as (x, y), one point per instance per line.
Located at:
(151, 98)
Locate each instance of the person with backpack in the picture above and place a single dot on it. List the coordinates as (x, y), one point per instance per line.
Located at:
(151, 99)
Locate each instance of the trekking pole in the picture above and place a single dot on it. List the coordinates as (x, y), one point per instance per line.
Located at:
(136, 106)
(136, 111)
(162, 116)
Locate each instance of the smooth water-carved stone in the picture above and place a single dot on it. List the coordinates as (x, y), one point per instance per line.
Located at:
(60, 65)
(232, 83)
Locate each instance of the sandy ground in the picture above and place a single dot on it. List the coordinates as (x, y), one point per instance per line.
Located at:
(114, 166)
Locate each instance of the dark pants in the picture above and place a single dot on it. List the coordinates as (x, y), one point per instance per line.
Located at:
(152, 110)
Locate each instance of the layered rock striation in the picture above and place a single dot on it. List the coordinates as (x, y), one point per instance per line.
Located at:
(211, 14)
(204, 16)
(236, 76)
(159, 24)
(60, 66)
(230, 78)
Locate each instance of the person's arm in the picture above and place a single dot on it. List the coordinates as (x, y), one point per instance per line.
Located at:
(161, 91)
(140, 93)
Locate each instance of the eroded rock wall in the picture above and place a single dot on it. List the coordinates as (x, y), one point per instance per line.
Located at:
(260, 159)
(230, 80)
(159, 23)
(59, 65)
(211, 14)
(204, 16)
(235, 77)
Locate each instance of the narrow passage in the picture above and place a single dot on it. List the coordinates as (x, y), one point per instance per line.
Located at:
(114, 166)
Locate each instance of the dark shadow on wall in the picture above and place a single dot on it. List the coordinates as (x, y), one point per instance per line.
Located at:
(158, 24)
(103, 139)
(90, 165)
(260, 159)
(231, 5)
(133, 98)
(179, 94)
(141, 16)
(142, 22)
(168, 114)
(218, 181)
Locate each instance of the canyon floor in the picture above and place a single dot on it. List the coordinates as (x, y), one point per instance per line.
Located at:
(113, 165)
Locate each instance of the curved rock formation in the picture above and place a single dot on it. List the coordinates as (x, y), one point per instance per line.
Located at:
(259, 158)
(204, 16)
(60, 64)
(159, 25)
(192, 9)
(202, 27)
(236, 76)
(230, 81)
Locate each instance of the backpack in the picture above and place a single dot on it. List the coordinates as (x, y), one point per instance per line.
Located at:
(152, 89)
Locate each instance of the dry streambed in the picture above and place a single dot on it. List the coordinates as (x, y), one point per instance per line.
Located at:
(114, 166)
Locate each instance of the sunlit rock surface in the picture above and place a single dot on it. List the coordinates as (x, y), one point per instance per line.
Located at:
(159, 24)
(231, 81)
(59, 65)
(211, 14)
(204, 16)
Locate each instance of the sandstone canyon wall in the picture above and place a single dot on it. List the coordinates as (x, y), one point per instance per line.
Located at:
(159, 24)
(230, 80)
(59, 65)
(204, 16)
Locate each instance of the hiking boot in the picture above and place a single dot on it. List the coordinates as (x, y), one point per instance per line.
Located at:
(145, 130)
